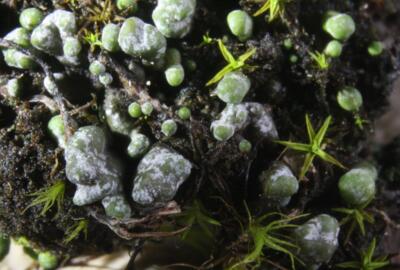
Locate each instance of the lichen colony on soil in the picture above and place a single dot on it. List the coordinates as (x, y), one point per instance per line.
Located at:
(146, 120)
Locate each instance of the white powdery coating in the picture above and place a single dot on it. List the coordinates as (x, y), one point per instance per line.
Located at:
(174, 18)
(142, 41)
(13, 57)
(320, 239)
(64, 20)
(233, 85)
(279, 183)
(262, 120)
(117, 117)
(234, 115)
(159, 176)
(138, 145)
(248, 113)
(95, 172)
(361, 192)
(49, 38)
(19, 57)
(281, 170)
(89, 194)
(19, 36)
(117, 204)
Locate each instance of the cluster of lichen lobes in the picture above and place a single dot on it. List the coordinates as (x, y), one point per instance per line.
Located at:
(96, 173)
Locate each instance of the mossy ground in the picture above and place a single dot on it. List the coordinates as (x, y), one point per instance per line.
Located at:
(29, 157)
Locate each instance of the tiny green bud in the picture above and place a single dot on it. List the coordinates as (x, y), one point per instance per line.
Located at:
(4, 246)
(375, 48)
(47, 260)
(288, 44)
(233, 87)
(172, 57)
(190, 65)
(223, 132)
(30, 18)
(72, 47)
(134, 110)
(244, 146)
(97, 68)
(57, 130)
(293, 58)
(241, 24)
(130, 5)
(14, 88)
(333, 49)
(106, 78)
(169, 127)
(175, 75)
(184, 113)
(109, 37)
(139, 145)
(340, 26)
(350, 99)
(147, 108)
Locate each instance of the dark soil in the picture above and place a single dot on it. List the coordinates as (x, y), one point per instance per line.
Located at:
(223, 178)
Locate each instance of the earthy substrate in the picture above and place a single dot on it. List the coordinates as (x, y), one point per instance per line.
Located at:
(30, 159)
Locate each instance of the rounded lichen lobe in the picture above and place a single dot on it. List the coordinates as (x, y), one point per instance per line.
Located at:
(318, 239)
(340, 26)
(159, 175)
(233, 87)
(357, 187)
(173, 18)
(278, 183)
(241, 24)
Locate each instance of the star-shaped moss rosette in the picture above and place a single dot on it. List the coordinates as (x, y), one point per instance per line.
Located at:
(314, 148)
(275, 8)
(367, 260)
(233, 64)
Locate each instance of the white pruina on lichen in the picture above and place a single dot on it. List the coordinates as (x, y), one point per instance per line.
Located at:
(279, 184)
(116, 206)
(233, 87)
(109, 37)
(96, 173)
(116, 113)
(317, 240)
(140, 39)
(139, 144)
(173, 18)
(159, 176)
(50, 85)
(14, 87)
(15, 58)
(238, 116)
(56, 35)
(357, 187)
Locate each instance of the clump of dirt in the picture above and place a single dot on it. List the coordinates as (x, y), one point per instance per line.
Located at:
(29, 161)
